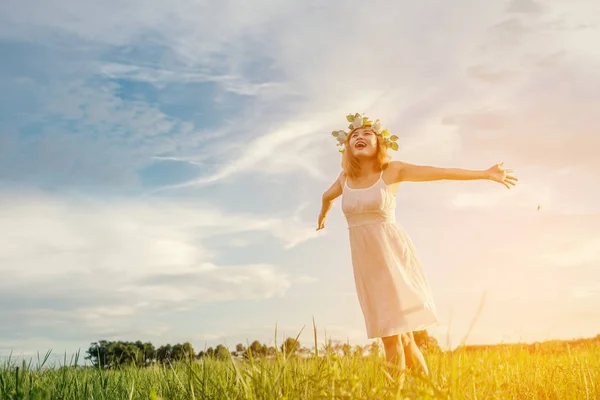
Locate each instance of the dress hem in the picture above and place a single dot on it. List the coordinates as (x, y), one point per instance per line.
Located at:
(426, 321)
(399, 331)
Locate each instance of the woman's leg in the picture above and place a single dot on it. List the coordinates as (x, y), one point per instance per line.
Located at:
(394, 355)
(407, 350)
(414, 357)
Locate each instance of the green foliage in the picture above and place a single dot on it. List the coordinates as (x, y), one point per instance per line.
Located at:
(514, 372)
(290, 346)
(551, 370)
(105, 354)
(221, 353)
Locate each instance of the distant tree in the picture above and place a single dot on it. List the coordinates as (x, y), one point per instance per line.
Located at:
(240, 350)
(210, 352)
(177, 352)
(256, 349)
(105, 354)
(290, 346)
(164, 354)
(188, 351)
(148, 352)
(98, 354)
(424, 341)
(182, 352)
(126, 353)
(222, 353)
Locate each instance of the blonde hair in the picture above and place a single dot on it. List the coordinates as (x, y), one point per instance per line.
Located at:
(350, 163)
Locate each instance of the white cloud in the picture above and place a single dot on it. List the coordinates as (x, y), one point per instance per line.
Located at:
(105, 261)
(163, 77)
(289, 146)
(255, 151)
(410, 76)
(330, 76)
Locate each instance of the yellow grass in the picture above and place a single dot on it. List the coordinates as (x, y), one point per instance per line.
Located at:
(547, 371)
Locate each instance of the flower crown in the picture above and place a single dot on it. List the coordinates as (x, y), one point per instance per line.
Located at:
(358, 121)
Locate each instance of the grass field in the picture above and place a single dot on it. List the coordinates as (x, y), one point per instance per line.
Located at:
(509, 372)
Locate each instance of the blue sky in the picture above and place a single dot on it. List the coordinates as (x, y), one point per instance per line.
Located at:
(161, 166)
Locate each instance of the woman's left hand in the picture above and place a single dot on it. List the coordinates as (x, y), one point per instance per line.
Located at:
(498, 173)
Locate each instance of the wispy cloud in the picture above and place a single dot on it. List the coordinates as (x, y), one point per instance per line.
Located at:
(162, 78)
(122, 257)
(178, 159)
(191, 52)
(87, 134)
(271, 152)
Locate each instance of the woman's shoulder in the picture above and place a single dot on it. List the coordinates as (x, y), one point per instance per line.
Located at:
(394, 165)
(394, 170)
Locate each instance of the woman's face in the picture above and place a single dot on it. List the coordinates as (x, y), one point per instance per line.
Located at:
(363, 143)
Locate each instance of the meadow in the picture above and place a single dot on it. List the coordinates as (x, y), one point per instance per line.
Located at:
(553, 370)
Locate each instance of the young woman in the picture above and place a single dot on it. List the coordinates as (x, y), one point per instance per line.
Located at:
(392, 288)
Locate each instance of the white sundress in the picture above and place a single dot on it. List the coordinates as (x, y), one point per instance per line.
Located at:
(392, 288)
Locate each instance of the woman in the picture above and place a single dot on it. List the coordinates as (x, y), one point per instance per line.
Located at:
(392, 288)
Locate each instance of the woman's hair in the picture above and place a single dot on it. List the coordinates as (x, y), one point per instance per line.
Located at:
(350, 163)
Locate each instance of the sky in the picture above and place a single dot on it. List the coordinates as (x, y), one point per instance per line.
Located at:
(162, 165)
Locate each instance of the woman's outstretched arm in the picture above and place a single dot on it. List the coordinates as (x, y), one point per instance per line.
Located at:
(334, 191)
(423, 173)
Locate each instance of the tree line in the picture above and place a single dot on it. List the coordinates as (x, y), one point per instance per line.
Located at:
(112, 354)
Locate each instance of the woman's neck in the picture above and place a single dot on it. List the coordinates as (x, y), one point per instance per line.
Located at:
(368, 167)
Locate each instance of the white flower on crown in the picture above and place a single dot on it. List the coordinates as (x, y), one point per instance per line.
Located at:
(377, 127)
(341, 137)
(358, 122)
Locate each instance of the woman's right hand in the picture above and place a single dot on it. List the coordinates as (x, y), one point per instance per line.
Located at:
(321, 222)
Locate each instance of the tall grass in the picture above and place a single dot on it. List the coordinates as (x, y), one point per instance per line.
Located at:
(500, 372)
